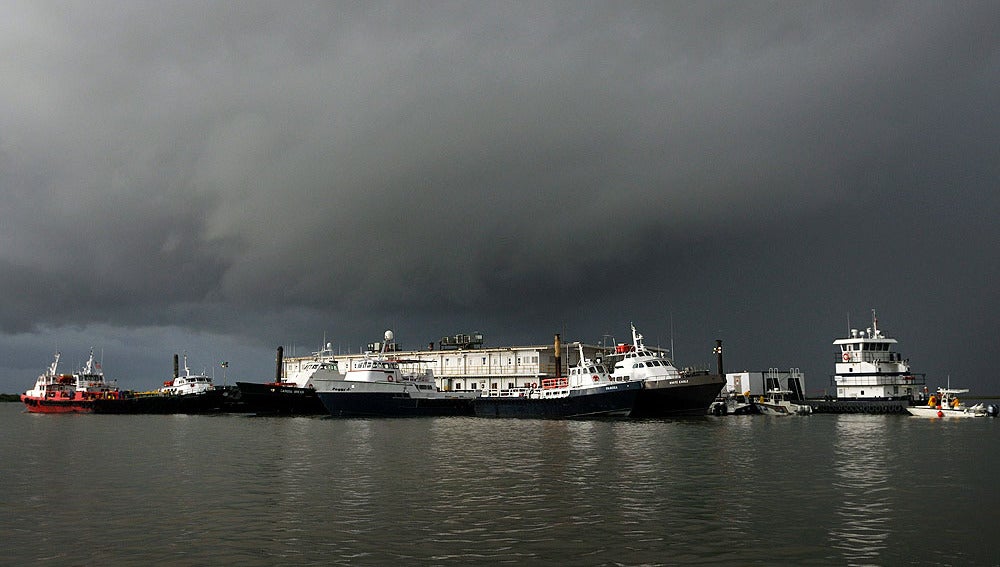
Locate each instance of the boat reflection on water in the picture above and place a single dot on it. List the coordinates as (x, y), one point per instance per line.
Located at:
(861, 475)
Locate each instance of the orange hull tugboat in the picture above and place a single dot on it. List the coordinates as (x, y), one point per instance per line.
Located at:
(68, 393)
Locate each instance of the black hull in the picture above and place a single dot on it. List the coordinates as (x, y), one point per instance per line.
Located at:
(615, 400)
(393, 404)
(268, 399)
(218, 400)
(871, 407)
(690, 395)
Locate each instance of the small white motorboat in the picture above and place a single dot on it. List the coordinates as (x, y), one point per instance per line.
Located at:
(946, 404)
(778, 402)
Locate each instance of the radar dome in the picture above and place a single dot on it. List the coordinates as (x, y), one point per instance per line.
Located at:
(388, 335)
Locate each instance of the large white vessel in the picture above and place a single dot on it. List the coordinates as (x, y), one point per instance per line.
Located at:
(666, 391)
(376, 386)
(869, 368)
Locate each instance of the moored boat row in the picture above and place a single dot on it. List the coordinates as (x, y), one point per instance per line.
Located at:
(871, 377)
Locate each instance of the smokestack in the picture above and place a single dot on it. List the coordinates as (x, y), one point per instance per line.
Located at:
(278, 364)
(718, 356)
(176, 371)
(558, 348)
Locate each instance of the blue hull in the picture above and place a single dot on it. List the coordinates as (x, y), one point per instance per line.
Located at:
(391, 404)
(611, 400)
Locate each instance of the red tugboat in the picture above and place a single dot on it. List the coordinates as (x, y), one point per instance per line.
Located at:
(68, 393)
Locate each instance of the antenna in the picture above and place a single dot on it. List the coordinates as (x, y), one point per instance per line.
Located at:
(673, 355)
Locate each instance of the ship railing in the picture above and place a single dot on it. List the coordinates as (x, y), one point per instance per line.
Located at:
(508, 392)
(898, 380)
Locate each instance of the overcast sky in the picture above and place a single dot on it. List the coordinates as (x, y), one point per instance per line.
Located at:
(220, 178)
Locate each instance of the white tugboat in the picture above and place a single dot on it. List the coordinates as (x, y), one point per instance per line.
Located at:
(871, 376)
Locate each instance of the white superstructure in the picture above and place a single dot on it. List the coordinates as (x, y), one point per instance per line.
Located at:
(188, 383)
(476, 369)
(303, 373)
(868, 367)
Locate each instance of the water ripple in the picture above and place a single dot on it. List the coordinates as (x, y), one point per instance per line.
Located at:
(821, 490)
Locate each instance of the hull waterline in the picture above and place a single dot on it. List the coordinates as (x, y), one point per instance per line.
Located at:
(690, 395)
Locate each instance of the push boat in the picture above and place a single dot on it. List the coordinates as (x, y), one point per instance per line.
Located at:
(376, 386)
(589, 391)
(294, 395)
(779, 402)
(69, 393)
(870, 375)
(188, 393)
(946, 404)
(666, 391)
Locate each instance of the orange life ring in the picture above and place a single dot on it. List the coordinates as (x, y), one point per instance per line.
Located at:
(846, 357)
(596, 379)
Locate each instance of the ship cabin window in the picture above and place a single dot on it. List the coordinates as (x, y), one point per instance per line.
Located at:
(458, 385)
(484, 360)
(494, 386)
(510, 385)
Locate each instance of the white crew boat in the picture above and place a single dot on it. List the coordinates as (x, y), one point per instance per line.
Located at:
(869, 368)
(377, 386)
(946, 404)
(779, 402)
(666, 391)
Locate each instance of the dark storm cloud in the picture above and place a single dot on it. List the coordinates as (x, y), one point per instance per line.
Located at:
(270, 171)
